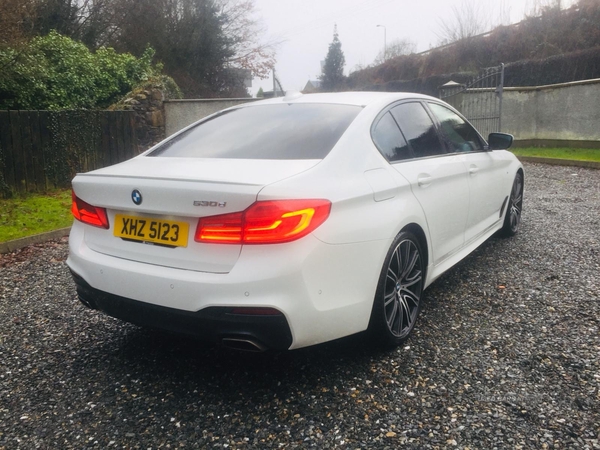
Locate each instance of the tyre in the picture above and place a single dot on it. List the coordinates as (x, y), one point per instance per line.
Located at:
(398, 297)
(512, 218)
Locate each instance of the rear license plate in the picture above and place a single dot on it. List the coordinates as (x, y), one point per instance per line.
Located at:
(157, 231)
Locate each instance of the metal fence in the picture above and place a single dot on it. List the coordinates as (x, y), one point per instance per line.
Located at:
(41, 150)
(480, 100)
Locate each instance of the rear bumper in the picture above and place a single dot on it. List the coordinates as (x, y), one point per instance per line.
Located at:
(213, 324)
(323, 291)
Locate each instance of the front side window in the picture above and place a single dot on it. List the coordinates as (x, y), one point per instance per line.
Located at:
(458, 134)
(389, 139)
(275, 131)
(418, 128)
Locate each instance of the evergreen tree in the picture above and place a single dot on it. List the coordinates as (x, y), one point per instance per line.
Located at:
(332, 76)
(260, 93)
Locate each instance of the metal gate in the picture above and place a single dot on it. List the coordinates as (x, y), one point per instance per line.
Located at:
(480, 100)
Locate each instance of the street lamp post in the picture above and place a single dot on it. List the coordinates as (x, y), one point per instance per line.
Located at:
(384, 41)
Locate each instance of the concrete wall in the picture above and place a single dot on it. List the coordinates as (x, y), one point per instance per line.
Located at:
(181, 113)
(569, 111)
(560, 114)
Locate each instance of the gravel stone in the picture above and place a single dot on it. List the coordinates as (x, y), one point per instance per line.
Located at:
(506, 354)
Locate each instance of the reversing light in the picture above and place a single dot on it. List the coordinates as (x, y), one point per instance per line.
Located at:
(264, 222)
(86, 213)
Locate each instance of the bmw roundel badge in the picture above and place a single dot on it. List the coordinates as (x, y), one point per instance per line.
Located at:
(136, 196)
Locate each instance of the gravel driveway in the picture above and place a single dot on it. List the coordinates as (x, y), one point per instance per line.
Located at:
(506, 354)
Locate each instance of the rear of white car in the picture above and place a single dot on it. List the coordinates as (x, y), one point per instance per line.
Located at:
(290, 222)
(224, 248)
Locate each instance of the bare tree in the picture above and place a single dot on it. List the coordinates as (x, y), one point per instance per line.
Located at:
(202, 43)
(16, 21)
(245, 32)
(398, 47)
(536, 8)
(471, 18)
(467, 20)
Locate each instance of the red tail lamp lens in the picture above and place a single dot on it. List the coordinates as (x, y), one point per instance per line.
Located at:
(267, 222)
(86, 213)
(224, 229)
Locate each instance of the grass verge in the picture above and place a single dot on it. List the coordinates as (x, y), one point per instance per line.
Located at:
(579, 154)
(34, 213)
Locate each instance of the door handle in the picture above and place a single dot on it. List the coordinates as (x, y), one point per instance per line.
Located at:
(424, 180)
(473, 170)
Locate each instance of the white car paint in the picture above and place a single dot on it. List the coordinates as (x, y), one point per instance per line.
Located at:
(323, 283)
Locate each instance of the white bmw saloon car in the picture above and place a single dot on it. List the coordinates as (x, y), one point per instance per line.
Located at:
(293, 221)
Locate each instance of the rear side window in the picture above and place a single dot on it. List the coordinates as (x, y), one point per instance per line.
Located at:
(389, 139)
(419, 130)
(282, 131)
(458, 134)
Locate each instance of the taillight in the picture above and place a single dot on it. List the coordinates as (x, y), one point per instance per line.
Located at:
(86, 213)
(266, 222)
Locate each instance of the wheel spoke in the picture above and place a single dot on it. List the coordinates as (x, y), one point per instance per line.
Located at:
(410, 295)
(515, 214)
(517, 200)
(390, 298)
(414, 280)
(403, 313)
(392, 275)
(392, 317)
(406, 258)
(411, 265)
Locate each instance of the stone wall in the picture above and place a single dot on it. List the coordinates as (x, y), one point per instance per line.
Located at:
(150, 118)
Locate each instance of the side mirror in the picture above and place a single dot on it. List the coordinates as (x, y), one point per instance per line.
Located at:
(500, 141)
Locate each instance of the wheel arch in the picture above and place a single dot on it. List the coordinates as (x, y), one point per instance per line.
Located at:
(522, 172)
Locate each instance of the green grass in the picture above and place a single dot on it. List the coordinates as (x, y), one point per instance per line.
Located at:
(581, 154)
(34, 213)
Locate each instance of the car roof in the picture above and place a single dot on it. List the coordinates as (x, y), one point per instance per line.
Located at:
(346, 98)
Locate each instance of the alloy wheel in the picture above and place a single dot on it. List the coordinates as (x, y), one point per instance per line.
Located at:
(403, 288)
(516, 204)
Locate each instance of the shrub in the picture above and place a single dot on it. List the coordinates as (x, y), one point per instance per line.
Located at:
(55, 72)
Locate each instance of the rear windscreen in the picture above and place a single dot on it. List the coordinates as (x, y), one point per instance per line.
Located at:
(282, 131)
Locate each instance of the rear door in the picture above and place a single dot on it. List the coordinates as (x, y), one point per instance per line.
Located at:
(407, 137)
(486, 172)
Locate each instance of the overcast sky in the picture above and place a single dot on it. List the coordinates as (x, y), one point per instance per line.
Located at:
(306, 29)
